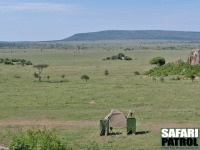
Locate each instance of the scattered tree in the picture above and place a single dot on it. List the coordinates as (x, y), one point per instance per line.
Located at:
(62, 76)
(48, 77)
(85, 77)
(159, 61)
(40, 67)
(106, 72)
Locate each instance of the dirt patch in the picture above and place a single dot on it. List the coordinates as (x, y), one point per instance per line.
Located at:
(47, 123)
(92, 102)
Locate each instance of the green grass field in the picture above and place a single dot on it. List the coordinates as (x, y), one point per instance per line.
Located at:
(73, 109)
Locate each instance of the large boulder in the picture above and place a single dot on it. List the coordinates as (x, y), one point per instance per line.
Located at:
(194, 57)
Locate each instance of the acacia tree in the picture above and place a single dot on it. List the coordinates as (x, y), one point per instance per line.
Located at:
(40, 67)
(85, 77)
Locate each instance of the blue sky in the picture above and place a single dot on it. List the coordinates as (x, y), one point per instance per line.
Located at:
(39, 20)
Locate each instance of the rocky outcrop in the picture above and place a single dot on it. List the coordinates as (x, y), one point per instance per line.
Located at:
(194, 57)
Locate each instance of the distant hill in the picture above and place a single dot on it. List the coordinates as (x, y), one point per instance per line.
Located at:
(132, 35)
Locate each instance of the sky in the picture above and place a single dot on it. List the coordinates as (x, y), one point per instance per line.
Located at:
(43, 20)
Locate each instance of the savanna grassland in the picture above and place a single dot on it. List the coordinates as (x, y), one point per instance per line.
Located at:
(73, 107)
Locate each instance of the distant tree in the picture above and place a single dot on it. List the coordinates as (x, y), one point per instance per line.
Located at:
(159, 61)
(40, 67)
(85, 77)
(48, 77)
(106, 72)
(136, 73)
(62, 76)
(107, 58)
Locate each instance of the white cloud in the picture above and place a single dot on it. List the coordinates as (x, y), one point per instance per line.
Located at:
(40, 7)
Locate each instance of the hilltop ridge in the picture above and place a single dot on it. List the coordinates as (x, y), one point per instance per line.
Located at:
(134, 34)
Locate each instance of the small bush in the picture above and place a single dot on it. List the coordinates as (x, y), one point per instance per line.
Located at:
(7, 61)
(35, 139)
(175, 69)
(13, 61)
(107, 58)
(1, 60)
(136, 73)
(162, 79)
(127, 58)
(29, 63)
(106, 72)
(114, 57)
(191, 75)
(159, 61)
(85, 77)
(17, 76)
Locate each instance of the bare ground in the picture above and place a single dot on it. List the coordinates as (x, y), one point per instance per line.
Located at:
(74, 124)
(48, 123)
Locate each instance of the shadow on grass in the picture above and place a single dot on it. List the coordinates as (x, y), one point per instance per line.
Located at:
(115, 133)
(142, 132)
(52, 81)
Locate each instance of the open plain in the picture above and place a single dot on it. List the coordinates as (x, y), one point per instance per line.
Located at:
(73, 107)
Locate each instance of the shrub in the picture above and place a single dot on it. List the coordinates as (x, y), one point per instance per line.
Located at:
(107, 58)
(16, 76)
(13, 61)
(106, 72)
(136, 73)
(36, 139)
(127, 58)
(29, 63)
(62, 77)
(176, 78)
(85, 77)
(162, 79)
(159, 61)
(1, 60)
(7, 61)
(175, 69)
(114, 57)
(191, 75)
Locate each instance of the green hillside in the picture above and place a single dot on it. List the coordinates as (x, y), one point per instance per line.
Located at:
(137, 34)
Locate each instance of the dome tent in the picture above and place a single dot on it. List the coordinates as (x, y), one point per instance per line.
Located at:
(116, 119)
